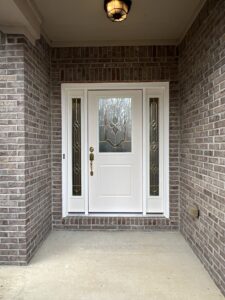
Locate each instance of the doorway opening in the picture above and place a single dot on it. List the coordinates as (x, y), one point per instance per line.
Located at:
(115, 149)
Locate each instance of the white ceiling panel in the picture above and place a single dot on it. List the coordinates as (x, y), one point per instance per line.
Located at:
(84, 22)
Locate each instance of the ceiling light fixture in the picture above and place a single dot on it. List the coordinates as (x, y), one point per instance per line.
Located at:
(117, 10)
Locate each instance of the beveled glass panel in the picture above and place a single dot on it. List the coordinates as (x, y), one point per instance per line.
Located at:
(76, 146)
(115, 125)
(154, 146)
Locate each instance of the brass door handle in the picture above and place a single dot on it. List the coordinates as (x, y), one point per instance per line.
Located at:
(91, 158)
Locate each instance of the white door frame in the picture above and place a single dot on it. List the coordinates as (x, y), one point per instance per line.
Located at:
(80, 90)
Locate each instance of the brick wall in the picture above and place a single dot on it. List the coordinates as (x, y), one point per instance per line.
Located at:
(12, 153)
(25, 186)
(202, 167)
(114, 64)
(38, 143)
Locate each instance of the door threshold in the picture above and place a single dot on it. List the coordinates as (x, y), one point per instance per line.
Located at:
(121, 215)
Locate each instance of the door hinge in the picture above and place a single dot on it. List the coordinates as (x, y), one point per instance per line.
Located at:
(64, 156)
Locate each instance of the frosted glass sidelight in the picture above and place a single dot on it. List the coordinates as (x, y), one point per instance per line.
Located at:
(154, 146)
(115, 125)
(76, 146)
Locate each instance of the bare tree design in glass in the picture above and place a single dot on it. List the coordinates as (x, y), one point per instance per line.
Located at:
(115, 125)
(76, 146)
(154, 146)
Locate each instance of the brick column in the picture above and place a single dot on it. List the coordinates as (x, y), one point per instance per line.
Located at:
(25, 148)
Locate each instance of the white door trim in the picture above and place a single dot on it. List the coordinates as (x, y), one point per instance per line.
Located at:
(150, 89)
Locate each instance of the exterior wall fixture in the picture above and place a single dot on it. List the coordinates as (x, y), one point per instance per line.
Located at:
(117, 10)
(193, 211)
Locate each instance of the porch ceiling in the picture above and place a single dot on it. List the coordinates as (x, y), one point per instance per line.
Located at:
(84, 23)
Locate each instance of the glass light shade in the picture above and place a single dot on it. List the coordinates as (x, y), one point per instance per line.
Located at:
(117, 10)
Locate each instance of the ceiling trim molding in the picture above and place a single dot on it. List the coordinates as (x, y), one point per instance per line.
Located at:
(114, 43)
(19, 30)
(34, 10)
(33, 20)
(46, 37)
(192, 19)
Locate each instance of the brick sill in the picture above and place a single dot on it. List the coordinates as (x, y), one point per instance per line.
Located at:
(88, 222)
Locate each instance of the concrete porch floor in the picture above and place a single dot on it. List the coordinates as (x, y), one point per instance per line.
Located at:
(110, 265)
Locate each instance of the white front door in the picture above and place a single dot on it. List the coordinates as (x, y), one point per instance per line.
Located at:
(115, 135)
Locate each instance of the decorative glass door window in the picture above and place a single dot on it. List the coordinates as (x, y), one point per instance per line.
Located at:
(154, 146)
(76, 146)
(115, 125)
